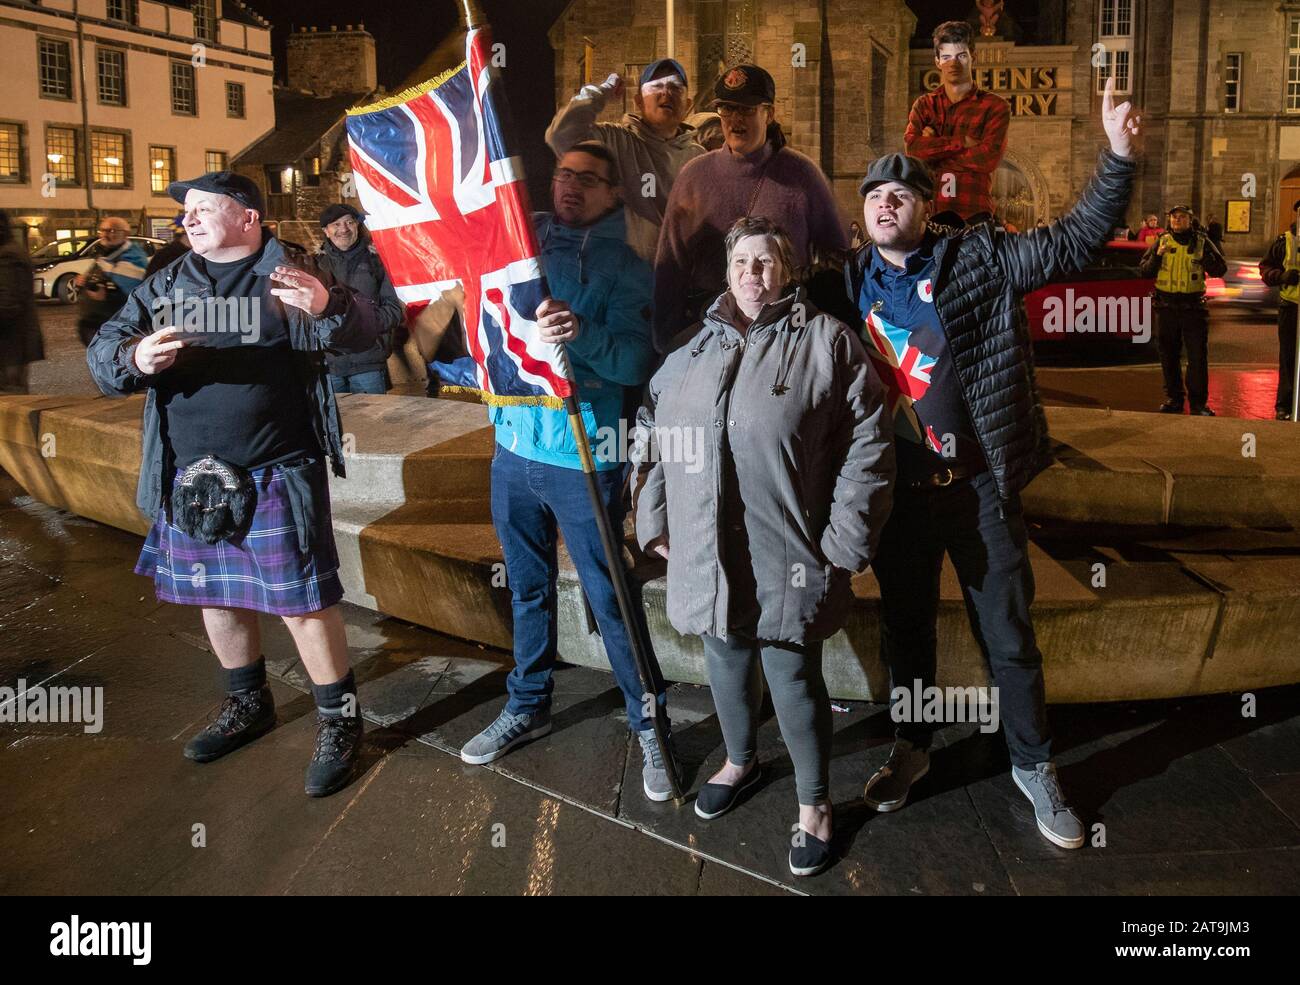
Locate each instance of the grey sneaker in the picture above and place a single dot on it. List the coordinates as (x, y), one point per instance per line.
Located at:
(654, 770)
(504, 734)
(1056, 819)
(888, 787)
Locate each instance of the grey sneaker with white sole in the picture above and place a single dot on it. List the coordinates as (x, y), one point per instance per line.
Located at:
(504, 734)
(1057, 821)
(655, 767)
(889, 786)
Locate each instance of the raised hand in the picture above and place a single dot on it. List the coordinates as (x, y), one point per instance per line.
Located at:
(1120, 122)
(301, 290)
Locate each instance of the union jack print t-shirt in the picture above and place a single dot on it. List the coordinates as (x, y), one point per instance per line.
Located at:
(909, 353)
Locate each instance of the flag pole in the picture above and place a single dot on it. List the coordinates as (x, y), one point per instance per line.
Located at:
(613, 545)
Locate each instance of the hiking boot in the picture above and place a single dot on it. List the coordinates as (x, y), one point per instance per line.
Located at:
(655, 767)
(338, 749)
(1057, 821)
(504, 734)
(888, 787)
(244, 716)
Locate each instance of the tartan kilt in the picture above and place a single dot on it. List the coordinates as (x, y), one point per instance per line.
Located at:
(269, 569)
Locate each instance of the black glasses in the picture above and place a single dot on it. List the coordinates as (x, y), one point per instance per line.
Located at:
(587, 179)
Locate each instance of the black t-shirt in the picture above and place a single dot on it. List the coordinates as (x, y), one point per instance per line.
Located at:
(235, 390)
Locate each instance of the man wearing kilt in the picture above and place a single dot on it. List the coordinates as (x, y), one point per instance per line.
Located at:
(228, 345)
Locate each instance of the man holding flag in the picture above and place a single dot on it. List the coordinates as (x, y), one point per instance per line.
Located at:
(600, 309)
(446, 205)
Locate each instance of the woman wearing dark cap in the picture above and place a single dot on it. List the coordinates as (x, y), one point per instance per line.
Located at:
(753, 173)
(764, 526)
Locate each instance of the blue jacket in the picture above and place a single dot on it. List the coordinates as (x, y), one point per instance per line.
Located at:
(609, 288)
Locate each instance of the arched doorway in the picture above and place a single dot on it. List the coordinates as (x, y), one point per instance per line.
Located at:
(1288, 193)
(1014, 200)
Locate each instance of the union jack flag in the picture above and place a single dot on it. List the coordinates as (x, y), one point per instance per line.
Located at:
(447, 203)
(905, 371)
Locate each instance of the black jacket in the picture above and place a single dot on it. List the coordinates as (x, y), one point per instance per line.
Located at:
(166, 254)
(350, 323)
(1272, 266)
(20, 331)
(981, 275)
(360, 269)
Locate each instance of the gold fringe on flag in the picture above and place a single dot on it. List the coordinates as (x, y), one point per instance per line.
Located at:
(406, 95)
(497, 400)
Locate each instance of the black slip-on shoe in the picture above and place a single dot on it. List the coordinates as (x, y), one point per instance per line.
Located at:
(810, 857)
(715, 799)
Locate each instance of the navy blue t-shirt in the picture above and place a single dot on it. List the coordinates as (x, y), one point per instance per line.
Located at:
(910, 354)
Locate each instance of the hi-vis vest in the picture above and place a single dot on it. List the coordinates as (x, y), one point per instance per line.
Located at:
(1291, 262)
(1181, 273)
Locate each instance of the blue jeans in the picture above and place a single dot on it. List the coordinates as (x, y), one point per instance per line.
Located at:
(530, 501)
(374, 381)
(991, 555)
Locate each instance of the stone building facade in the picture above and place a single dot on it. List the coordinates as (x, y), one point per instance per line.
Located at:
(1218, 83)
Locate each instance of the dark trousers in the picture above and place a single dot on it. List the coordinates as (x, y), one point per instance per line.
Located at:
(1178, 327)
(531, 502)
(991, 555)
(1286, 326)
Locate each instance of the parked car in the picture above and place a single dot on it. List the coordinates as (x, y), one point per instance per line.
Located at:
(1242, 287)
(55, 266)
(1107, 302)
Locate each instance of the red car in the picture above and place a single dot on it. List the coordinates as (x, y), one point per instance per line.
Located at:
(1106, 302)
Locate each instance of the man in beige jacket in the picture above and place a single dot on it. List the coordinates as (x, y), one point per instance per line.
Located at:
(649, 146)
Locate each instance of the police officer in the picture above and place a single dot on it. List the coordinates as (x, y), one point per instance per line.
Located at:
(1180, 259)
(1280, 268)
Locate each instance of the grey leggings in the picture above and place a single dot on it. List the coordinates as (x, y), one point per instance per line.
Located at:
(803, 707)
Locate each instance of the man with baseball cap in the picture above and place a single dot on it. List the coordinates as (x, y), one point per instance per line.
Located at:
(942, 331)
(1280, 268)
(227, 345)
(349, 257)
(1180, 259)
(649, 146)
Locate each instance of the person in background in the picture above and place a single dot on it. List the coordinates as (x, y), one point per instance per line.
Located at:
(856, 235)
(118, 266)
(20, 330)
(959, 130)
(649, 146)
(1280, 268)
(753, 173)
(1180, 260)
(178, 247)
(763, 535)
(349, 257)
(708, 129)
(1150, 230)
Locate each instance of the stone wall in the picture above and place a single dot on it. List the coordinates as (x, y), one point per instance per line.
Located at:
(330, 62)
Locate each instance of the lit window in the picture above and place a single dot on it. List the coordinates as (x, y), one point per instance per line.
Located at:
(216, 160)
(108, 158)
(11, 152)
(61, 154)
(162, 169)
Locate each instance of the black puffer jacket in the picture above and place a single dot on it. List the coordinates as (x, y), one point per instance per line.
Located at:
(982, 273)
(361, 270)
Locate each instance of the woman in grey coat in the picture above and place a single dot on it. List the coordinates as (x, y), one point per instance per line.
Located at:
(764, 471)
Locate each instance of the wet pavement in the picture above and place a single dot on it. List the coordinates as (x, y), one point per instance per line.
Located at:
(1191, 796)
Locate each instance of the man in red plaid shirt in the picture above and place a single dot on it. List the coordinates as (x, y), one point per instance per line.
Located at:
(959, 130)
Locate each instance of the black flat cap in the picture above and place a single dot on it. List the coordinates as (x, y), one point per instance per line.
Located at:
(899, 167)
(243, 190)
(745, 85)
(338, 210)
